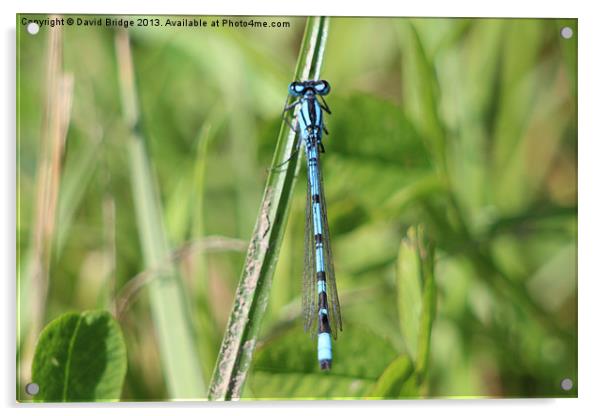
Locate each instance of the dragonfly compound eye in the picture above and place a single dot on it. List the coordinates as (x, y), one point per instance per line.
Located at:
(296, 88)
(322, 87)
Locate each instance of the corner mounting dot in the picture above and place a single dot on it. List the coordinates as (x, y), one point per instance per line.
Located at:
(566, 384)
(32, 389)
(33, 28)
(566, 32)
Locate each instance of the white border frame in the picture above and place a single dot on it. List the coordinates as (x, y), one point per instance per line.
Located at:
(590, 207)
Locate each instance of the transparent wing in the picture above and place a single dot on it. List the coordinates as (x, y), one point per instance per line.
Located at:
(309, 271)
(334, 309)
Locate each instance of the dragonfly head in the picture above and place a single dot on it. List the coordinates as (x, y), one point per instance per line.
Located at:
(299, 88)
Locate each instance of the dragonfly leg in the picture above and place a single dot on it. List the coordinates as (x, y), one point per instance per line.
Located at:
(288, 108)
(288, 122)
(324, 105)
(291, 105)
(287, 160)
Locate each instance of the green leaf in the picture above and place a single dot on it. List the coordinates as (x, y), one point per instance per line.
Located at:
(80, 357)
(361, 137)
(420, 87)
(417, 296)
(467, 105)
(409, 296)
(287, 366)
(391, 381)
(366, 166)
(429, 304)
(253, 289)
(368, 247)
(523, 78)
(411, 387)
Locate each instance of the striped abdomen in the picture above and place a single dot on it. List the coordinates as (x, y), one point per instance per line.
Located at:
(324, 338)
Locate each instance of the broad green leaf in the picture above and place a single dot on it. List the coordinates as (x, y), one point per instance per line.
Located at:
(287, 367)
(360, 162)
(391, 381)
(80, 357)
(361, 137)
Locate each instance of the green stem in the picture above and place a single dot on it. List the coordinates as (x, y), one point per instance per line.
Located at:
(426, 252)
(169, 306)
(251, 298)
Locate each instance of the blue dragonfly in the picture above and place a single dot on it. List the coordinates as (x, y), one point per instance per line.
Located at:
(320, 299)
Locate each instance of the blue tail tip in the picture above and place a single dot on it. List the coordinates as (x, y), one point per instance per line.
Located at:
(325, 365)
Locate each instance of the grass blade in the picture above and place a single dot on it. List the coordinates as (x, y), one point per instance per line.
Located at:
(421, 93)
(389, 384)
(251, 298)
(32, 287)
(417, 297)
(77, 176)
(409, 297)
(169, 305)
(429, 303)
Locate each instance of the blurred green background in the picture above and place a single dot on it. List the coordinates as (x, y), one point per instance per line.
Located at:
(467, 126)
